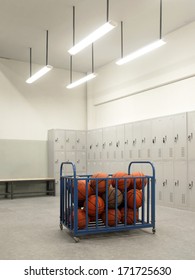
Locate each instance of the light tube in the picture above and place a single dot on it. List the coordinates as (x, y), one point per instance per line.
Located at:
(141, 52)
(39, 74)
(82, 80)
(98, 33)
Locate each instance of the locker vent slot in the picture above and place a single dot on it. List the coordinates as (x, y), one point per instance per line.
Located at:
(183, 198)
(170, 152)
(160, 195)
(148, 153)
(171, 197)
(182, 152)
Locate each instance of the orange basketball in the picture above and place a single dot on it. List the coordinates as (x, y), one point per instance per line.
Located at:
(100, 182)
(121, 182)
(81, 218)
(82, 190)
(114, 217)
(138, 181)
(114, 200)
(129, 215)
(130, 198)
(92, 202)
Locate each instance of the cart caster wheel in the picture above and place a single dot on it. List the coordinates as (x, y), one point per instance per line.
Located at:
(153, 230)
(76, 239)
(61, 226)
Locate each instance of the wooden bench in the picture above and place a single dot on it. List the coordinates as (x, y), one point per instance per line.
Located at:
(9, 186)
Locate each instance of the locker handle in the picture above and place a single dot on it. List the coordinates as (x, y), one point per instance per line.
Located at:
(78, 161)
(56, 140)
(176, 138)
(165, 183)
(126, 142)
(190, 185)
(165, 139)
(154, 140)
(67, 140)
(56, 161)
(144, 140)
(78, 140)
(134, 141)
(190, 137)
(97, 145)
(117, 144)
(177, 183)
(103, 145)
(110, 143)
(90, 147)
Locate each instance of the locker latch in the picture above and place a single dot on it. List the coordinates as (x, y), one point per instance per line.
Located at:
(117, 144)
(144, 140)
(165, 139)
(78, 140)
(177, 183)
(176, 138)
(110, 143)
(90, 147)
(190, 137)
(67, 140)
(190, 185)
(165, 183)
(154, 140)
(104, 145)
(126, 142)
(56, 140)
(134, 142)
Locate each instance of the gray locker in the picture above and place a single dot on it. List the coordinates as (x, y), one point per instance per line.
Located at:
(98, 144)
(191, 135)
(108, 143)
(159, 182)
(180, 184)
(157, 135)
(81, 140)
(168, 188)
(70, 156)
(191, 185)
(119, 145)
(70, 139)
(81, 162)
(168, 138)
(128, 141)
(146, 139)
(57, 137)
(90, 145)
(180, 136)
(136, 141)
(59, 157)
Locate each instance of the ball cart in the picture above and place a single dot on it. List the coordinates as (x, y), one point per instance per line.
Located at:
(102, 203)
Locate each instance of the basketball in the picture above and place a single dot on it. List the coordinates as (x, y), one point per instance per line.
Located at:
(138, 181)
(120, 182)
(129, 216)
(114, 217)
(114, 199)
(130, 198)
(82, 190)
(100, 182)
(92, 201)
(81, 218)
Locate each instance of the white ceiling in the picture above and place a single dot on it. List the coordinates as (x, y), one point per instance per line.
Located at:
(23, 24)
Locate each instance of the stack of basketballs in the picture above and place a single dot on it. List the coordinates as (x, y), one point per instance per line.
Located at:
(98, 197)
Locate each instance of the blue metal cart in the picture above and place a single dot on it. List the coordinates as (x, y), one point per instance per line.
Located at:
(143, 217)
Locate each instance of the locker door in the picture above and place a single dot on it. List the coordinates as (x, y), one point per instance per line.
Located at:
(59, 143)
(70, 140)
(81, 162)
(59, 157)
(90, 145)
(98, 144)
(156, 145)
(180, 136)
(128, 141)
(191, 135)
(136, 144)
(168, 189)
(191, 185)
(81, 140)
(180, 183)
(159, 183)
(109, 140)
(70, 156)
(167, 138)
(146, 139)
(119, 150)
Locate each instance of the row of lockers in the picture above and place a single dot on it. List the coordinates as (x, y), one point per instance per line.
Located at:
(68, 140)
(165, 138)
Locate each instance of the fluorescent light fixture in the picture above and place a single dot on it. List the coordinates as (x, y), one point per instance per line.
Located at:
(141, 52)
(82, 80)
(98, 33)
(39, 74)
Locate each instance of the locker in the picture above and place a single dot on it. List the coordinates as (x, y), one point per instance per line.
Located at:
(146, 139)
(108, 143)
(70, 156)
(90, 145)
(119, 146)
(70, 139)
(180, 135)
(98, 144)
(180, 183)
(167, 138)
(157, 135)
(136, 141)
(81, 162)
(191, 185)
(159, 182)
(80, 140)
(57, 137)
(59, 157)
(128, 141)
(94, 167)
(191, 135)
(168, 189)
